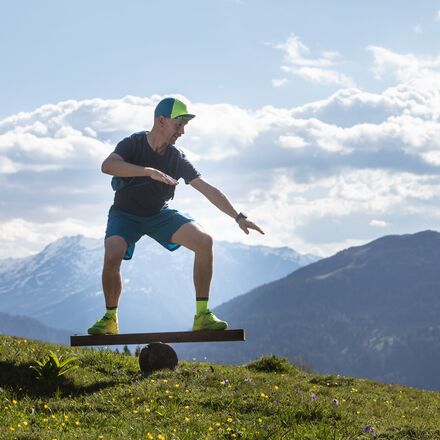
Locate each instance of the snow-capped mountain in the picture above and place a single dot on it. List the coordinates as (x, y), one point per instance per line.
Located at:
(61, 285)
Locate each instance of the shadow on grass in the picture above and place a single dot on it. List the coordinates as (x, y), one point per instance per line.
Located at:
(23, 379)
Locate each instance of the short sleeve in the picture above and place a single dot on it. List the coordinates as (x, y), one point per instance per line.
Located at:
(186, 169)
(126, 149)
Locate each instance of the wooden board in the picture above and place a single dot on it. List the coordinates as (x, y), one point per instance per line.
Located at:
(167, 337)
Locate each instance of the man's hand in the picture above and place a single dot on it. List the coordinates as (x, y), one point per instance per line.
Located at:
(115, 165)
(162, 177)
(246, 224)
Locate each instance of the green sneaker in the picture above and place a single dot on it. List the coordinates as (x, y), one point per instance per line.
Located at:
(208, 321)
(104, 326)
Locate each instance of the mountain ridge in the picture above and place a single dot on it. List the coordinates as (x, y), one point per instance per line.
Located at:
(27, 327)
(61, 285)
(368, 311)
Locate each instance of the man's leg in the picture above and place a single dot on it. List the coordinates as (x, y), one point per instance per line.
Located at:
(115, 248)
(193, 237)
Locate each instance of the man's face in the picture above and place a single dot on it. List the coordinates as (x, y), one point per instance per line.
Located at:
(173, 129)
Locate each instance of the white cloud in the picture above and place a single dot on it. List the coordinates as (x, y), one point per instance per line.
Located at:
(20, 237)
(379, 224)
(306, 174)
(320, 70)
(323, 76)
(280, 82)
(403, 67)
(229, 129)
(292, 142)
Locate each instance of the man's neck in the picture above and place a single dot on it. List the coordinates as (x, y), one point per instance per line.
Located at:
(156, 142)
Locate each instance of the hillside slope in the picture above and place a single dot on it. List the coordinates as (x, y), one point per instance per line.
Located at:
(107, 398)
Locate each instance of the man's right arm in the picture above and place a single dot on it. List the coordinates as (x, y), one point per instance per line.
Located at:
(115, 165)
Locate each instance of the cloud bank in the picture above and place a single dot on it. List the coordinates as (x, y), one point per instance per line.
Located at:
(319, 177)
(299, 62)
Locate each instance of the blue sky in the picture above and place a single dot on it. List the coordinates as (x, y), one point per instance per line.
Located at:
(210, 51)
(324, 114)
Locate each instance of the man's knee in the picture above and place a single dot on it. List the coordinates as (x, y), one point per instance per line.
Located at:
(193, 237)
(115, 248)
(204, 242)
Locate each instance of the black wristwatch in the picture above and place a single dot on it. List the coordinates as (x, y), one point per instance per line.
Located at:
(240, 216)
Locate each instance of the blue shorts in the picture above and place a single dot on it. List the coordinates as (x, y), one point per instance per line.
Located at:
(131, 227)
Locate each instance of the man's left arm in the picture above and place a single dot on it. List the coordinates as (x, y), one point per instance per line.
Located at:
(218, 199)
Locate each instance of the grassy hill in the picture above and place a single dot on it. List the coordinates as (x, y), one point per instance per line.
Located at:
(107, 397)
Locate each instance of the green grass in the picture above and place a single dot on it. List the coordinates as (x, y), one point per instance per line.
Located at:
(108, 398)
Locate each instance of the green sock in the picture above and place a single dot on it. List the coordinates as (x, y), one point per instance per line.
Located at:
(112, 312)
(201, 305)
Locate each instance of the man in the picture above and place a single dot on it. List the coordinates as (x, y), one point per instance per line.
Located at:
(146, 167)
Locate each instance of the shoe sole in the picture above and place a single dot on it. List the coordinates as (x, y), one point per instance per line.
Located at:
(201, 329)
(100, 334)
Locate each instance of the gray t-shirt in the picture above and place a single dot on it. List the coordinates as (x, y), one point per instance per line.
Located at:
(144, 196)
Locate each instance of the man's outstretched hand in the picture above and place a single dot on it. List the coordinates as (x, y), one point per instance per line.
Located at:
(246, 224)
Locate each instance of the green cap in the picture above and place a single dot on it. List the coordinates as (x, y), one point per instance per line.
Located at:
(172, 108)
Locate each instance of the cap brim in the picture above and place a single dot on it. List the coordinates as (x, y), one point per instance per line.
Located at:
(186, 117)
